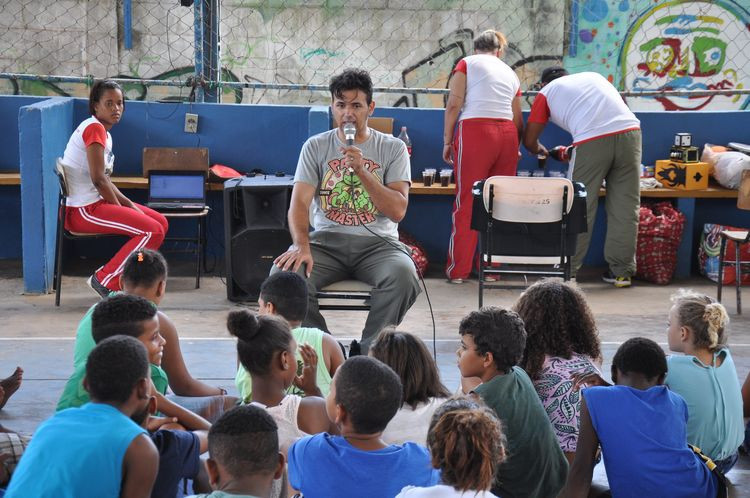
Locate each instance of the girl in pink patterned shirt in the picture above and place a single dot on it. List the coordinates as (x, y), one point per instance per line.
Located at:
(562, 341)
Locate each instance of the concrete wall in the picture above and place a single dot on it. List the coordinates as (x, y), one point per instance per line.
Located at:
(44, 131)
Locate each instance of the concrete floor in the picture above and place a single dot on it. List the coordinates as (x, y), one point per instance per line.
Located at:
(39, 336)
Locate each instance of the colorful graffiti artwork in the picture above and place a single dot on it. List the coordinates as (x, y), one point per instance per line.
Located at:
(688, 46)
(642, 45)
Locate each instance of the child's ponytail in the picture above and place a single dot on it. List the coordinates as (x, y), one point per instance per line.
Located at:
(716, 317)
(705, 317)
(259, 338)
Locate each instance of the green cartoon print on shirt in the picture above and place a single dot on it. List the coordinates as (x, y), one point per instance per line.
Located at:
(343, 198)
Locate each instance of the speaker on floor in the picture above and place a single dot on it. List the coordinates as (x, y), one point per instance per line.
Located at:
(255, 230)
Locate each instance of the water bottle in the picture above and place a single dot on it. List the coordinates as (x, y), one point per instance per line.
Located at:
(404, 137)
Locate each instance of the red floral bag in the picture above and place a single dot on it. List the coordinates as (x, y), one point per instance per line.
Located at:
(659, 233)
(418, 254)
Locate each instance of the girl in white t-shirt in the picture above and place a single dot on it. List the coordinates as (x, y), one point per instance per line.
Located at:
(423, 392)
(94, 204)
(467, 445)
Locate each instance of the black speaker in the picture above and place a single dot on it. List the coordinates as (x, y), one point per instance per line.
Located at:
(255, 230)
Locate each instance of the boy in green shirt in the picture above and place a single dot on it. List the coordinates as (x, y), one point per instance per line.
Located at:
(492, 343)
(125, 314)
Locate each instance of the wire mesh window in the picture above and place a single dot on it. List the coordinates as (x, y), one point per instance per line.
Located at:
(639, 45)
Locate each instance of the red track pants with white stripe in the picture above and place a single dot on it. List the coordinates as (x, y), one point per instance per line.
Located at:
(481, 148)
(145, 230)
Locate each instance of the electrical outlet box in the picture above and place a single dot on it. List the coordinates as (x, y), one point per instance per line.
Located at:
(191, 123)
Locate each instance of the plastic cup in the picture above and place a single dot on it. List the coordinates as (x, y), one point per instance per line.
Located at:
(428, 177)
(445, 177)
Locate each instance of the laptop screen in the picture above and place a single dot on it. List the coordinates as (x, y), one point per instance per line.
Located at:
(182, 185)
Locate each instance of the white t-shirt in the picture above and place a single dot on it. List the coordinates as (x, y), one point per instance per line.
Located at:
(441, 491)
(491, 86)
(411, 424)
(81, 190)
(586, 105)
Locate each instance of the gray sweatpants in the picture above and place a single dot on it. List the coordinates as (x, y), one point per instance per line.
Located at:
(339, 256)
(616, 158)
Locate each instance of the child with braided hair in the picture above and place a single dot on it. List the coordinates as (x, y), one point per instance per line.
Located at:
(467, 445)
(705, 376)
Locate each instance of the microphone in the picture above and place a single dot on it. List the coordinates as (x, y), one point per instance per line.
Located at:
(349, 131)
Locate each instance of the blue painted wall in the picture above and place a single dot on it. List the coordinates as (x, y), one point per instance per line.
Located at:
(44, 130)
(270, 137)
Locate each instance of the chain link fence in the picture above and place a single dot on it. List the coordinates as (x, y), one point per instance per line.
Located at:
(274, 51)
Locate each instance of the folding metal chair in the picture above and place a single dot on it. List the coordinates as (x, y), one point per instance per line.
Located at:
(528, 226)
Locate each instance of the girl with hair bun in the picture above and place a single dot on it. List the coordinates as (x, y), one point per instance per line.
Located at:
(467, 445)
(266, 348)
(705, 376)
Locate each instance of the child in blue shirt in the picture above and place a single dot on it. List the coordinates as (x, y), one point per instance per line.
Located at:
(705, 376)
(365, 395)
(642, 429)
(98, 449)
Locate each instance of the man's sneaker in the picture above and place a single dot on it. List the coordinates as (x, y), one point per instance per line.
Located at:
(97, 286)
(456, 280)
(619, 282)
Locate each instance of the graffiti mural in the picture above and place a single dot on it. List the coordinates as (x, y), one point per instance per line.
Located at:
(133, 91)
(677, 45)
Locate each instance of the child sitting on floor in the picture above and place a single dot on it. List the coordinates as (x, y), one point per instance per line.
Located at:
(561, 340)
(467, 444)
(365, 394)
(125, 314)
(492, 343)
(642, 428)
(705, 376)
(99, 449)
(145, 274)
(285, 293)
(422, 390)
(244, 454)
(266, 349)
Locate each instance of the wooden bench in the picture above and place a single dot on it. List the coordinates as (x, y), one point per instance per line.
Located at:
(136, 182)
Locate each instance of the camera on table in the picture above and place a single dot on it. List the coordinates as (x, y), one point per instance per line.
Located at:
(683, 151)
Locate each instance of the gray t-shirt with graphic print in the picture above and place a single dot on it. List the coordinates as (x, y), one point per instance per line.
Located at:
(342, 204)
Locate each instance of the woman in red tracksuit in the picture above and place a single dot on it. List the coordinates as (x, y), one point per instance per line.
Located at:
(94, 204)
(486, 93)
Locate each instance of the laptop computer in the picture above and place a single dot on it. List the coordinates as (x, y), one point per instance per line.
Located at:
(181, 191)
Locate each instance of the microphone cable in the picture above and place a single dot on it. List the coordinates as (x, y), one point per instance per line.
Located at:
(402, 250)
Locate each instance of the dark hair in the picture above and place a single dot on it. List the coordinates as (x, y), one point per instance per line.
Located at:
(98, 89)
(120, 314)
(467, 444)
(704, 316)
(409, 358)
(259, 338)
(497, 331)
(351, 79)
(245, 441)
(288, 292)
(552, 73)
(558, 322)
(370, 392)
(640, 355)
(144, 268)
(114, 367)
